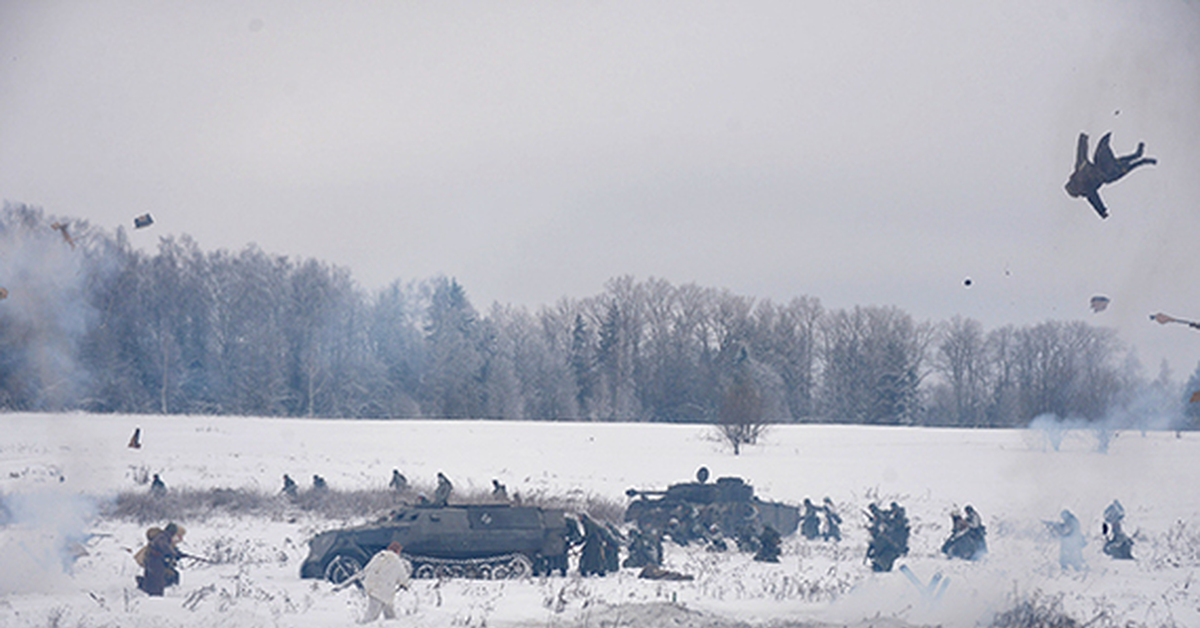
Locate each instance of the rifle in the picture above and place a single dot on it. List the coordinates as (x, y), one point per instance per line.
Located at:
(199, 558)
(1163, 319)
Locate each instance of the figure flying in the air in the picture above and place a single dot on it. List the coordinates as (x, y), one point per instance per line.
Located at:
(1106, 168)
(1163, 319)
(62, 228)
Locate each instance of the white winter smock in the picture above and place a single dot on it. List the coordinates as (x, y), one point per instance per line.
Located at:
(384, 573)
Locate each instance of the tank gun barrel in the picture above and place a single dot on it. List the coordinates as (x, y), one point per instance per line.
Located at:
(633, 492)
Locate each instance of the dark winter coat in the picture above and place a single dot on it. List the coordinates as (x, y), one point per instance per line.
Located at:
(160, 554)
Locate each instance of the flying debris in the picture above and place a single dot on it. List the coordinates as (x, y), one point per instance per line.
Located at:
(3, 294)
(142, 221)
(967, 282)
(1195, 397)
(1099, 303)
(1163, 319)
(62, 228)
(1106, 168)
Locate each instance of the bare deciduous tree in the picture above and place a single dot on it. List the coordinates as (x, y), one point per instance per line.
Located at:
(742, 418)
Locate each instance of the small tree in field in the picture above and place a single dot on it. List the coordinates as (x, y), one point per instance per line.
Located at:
(741, 418)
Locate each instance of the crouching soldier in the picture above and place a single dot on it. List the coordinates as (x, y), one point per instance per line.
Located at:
(768, 550)
(645, 548)
(160, 559)
(383, 575)
(1116, 543)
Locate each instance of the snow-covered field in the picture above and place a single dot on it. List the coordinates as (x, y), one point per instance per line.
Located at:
(54, 468)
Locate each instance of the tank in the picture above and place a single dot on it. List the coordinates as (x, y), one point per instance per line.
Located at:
(729, 504)
(489, 541)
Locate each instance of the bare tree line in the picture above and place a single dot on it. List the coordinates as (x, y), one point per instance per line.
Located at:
(249, 333)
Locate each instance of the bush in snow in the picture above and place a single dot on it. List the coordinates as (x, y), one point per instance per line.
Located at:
(1035, 611)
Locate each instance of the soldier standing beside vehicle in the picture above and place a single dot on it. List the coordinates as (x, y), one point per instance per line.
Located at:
(591, 557)
(810, 521)
(384, 574)
(441, 496)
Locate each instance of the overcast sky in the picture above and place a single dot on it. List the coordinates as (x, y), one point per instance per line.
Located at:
(866, 153)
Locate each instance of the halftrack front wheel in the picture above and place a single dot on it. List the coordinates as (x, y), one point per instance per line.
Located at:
(342, 567)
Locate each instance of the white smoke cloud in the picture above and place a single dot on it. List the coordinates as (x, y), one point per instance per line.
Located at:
(1153, 408)
(46, 309)
(41, 535)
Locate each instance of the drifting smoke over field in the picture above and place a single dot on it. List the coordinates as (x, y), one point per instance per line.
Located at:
(46, 312)
(41, 535)
(1154, 408)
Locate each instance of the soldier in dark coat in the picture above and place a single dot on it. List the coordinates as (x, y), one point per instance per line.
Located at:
(319, 485)
(833, 527)
(499, 491)
(889, 532)
(645, 548)
(768, 550)
(441, 496)
(157, 487)
(591, 558)
(289, 486)
(160, 557)
(810, 521)
(1088, 176)
(612, 547)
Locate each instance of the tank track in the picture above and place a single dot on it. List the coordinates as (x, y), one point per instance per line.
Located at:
(503, 567)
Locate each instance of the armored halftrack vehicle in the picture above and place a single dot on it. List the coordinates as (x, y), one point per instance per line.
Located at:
(729, 504)
(490, 541)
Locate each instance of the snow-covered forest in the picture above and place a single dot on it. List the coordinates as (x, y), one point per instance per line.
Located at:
(92, 322)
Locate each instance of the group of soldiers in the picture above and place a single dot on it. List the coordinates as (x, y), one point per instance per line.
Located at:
(601, 546)
(967, 535)
(1117, 544)
(292, 490)
(397, 483)
(600, 542)
(889, 530)
(820, 521)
